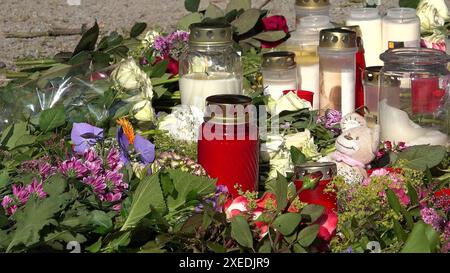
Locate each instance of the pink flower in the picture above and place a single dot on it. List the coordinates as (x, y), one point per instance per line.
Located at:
(36, 188)
(73, 168)
(328, 223)
(97, 183)
(273, 23)
(21, 193)
(236, 206)
(439, 45)
(8, 205)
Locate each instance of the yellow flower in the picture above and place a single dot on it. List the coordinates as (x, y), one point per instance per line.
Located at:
(127, 128)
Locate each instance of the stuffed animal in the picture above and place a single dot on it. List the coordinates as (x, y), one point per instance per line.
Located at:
(355, 148)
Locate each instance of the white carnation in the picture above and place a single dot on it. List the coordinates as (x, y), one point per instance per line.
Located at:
(183, 123)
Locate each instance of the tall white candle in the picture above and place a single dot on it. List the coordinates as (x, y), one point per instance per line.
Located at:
(196, 87)
(401, 28)
(348, 82)
(309, 80)
(370, 24)
(396, 126)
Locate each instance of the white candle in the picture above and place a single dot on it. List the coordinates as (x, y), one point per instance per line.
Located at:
(396, 127)
(275, 88)
(401, 28)
(348, 83)
(309, 79)
(370, 24)
(196, 87)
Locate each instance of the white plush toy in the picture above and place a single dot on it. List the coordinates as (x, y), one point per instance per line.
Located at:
(355, 148)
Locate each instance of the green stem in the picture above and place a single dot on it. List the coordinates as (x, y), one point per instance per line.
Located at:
(152, 132)
(251, 71)
(16, 75)
(156, 83)
(35, 62)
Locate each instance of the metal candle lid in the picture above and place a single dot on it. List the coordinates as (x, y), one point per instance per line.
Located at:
(210, 34)
(337, 38)
(372, 74)
(327, 170)
(228, 106)
(279, 60)
(357, 30)
(312, 3)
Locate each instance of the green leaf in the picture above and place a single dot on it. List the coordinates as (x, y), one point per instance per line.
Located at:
(287, 223)
(422, 239)
(80, 58)
(192, 5)
(152, 247)
(270, 36)
(409, 3)
(297, 156)
(95, 247)
(280, 191)
(100, 60)
(299, 249)
(311, 213)
(113, 39)
(412, 194)
(399, 232)
(189, 19)
(238, 5)
(393, 201)
(101, 220)
(240, 231)
(148, 197)
(422, 157)
(307, 235)
(137, 29)
(213, 11)
(52, 118)
(215, 247)
(88, 40)
(246, 21)
(16, 132)
(186, 184)
(159, 69)
(37, 214)
(4, 178)
(266, 247)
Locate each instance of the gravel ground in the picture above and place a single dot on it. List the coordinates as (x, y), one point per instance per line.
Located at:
(43, 15)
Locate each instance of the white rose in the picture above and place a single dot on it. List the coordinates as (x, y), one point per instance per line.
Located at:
(273, 143)
(288, 102)
(432, 14)
(143, 110)
(304, 142)
(183, 123)
(129, 76)
(281, 163)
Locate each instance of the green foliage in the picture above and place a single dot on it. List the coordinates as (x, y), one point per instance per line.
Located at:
(287, 223)
(409, 3)
(241, 232)
(422, 157)
(422, 239)
(137, 29)
(52, 118)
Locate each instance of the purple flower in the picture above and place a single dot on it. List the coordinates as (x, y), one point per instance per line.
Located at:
(143, 148)
(113, 159)
(21, 193)
(431, 217)
(84, 136)
(36, 188)
(172, 44)
(73, 168)
(97, 183)
(8, 205)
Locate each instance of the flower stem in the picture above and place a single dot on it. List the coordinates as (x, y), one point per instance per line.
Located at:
(156, 82)
(35, 62)
(152, 132)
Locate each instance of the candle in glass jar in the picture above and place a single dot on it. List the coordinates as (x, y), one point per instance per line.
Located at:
(228, 147)
(198, 86)
(401, 28)
(279, 71)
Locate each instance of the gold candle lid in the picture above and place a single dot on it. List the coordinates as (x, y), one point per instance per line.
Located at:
(279, 60)
(210, 34)
(327, 170)
(337, 38)
(228, 107)
(312, 3)
(372, 74)
(357, 30)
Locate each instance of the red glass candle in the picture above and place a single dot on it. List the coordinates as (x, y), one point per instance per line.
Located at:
(228, 147)
(324, 172)
(426, 95)
(360, 67)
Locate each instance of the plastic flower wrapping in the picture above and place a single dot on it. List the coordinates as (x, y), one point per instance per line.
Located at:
(96, 148)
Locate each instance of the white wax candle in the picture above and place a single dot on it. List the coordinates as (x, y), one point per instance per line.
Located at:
(196, 87)
(396, 126)
(401, 28)
(275, 88)
(371, 30)
(309, 78)
(348, 82)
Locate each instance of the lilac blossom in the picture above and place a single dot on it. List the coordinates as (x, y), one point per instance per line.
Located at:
(172, 44)
(431, 217)
(331, 119)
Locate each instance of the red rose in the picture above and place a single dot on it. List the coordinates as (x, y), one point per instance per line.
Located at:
(273, 23)
(276, 22)
(172, 67)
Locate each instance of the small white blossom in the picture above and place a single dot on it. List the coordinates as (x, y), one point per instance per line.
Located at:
(183, 123)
